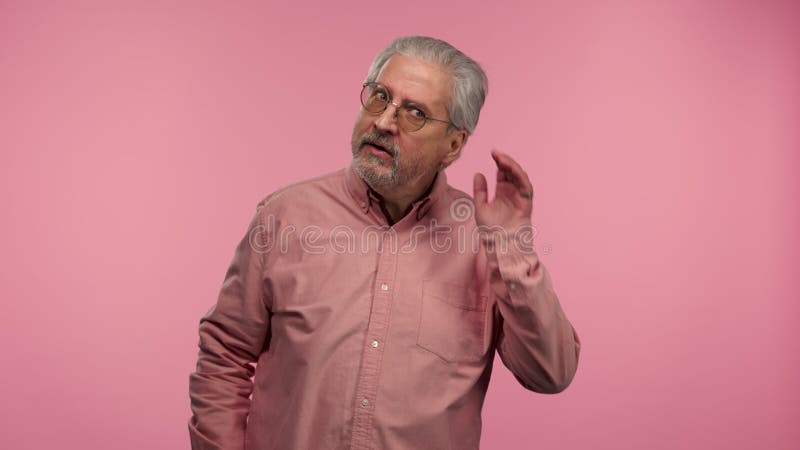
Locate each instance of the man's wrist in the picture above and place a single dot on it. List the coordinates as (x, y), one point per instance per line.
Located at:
(501, 239)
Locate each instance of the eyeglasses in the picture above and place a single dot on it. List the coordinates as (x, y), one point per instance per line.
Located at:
(410, 117)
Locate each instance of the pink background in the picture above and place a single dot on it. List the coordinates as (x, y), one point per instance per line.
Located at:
(662, 139)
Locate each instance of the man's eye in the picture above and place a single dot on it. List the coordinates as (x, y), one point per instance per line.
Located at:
(381, 95)
(416, 113)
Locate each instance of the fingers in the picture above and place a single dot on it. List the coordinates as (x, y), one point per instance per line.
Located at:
(510, 171)
(479, 192)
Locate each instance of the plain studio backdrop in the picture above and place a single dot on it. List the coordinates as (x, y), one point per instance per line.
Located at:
(661, 137)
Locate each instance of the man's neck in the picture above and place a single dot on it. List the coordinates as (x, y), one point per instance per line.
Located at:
(396, 204)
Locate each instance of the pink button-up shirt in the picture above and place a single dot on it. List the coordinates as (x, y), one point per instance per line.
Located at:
(366, 335)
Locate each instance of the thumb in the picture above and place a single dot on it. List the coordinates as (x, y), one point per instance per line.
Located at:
(479, 189)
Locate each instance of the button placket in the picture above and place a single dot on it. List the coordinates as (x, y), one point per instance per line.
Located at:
(369, 373)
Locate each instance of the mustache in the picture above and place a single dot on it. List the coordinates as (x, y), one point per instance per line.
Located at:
(384, 140)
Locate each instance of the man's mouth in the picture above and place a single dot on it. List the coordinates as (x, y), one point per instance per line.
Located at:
(377, 148)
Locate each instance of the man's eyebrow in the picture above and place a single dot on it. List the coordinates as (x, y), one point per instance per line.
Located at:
(419, 105)
(409, 101)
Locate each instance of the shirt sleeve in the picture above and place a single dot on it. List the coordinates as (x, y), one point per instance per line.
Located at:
(232, 336)
(535, 340)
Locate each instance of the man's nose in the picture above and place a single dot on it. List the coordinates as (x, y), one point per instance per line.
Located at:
(387, 120)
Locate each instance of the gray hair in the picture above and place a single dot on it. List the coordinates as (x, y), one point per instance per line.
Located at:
(469, 81)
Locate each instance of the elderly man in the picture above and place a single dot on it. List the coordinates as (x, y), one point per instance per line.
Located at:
(372, 299)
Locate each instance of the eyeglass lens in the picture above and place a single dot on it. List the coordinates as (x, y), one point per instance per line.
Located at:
(376, 99)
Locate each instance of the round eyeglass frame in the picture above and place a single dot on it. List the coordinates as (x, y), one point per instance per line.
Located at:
(404, 123)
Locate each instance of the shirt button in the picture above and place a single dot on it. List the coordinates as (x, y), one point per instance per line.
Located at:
(364, 402)
(512, 286)
(374, 344)
(384, 287)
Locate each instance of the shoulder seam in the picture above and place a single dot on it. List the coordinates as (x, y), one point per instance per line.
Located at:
(281, 190)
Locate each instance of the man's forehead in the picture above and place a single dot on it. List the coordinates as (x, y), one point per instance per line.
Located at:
(411, 78)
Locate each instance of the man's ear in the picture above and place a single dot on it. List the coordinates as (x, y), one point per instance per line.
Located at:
(457, 139)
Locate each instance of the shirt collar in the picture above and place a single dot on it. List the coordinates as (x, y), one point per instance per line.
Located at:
(365, 198)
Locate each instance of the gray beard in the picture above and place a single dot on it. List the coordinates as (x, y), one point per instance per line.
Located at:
(370, 167)
(365, 168)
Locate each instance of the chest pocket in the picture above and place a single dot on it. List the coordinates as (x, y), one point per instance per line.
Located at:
(452, 322)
